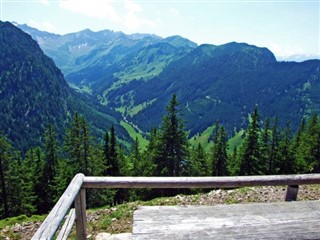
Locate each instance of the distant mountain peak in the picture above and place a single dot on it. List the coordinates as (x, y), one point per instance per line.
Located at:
(179, 41)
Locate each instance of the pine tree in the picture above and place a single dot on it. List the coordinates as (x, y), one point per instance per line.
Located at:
(136, 158)
(199, 162)
(173, 143)
(86, 147)
(5, 159)
(219, 153)
(266, 136)
(287, 161)
(20, 200)
(73, 145)
(39, 187)
(112, 164)
(300, 164)
(51, 158)
(151, 154)
(234, 165)
(273, 164)
(250, 154)
(77, 145)
(309, 148)
(98, 197)
(106, 152)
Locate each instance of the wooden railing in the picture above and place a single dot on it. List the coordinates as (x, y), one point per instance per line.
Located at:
(76, 193)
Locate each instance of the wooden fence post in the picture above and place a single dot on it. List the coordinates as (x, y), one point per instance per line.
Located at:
(292, 192)
(50, 225)
(81, 218)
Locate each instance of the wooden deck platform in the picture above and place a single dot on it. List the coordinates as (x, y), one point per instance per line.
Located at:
(284, 220)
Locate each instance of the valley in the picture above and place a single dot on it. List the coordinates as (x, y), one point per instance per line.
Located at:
(137, 74)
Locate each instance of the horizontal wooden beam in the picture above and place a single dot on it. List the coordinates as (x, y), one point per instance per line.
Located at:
(50, 225)
(67, 226)
(199, 182)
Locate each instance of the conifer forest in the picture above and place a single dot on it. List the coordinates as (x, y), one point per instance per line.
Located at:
(31, 182)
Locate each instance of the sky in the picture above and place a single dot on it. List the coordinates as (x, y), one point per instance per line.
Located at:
(285, 27)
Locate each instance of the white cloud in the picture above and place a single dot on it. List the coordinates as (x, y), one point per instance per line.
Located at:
(43, 26)
(285, 51)
(102, 9)
(131, 6)
(174, 12)
(44, 2)
(133, 19)
(132, 16)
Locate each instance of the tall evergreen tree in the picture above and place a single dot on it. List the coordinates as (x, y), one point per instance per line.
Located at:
(173, 143)
(151, 154)
(219, 153)
(37, 166)
(250, 154)
(266, 136)
(6, 156)
(300, 164)
(112, 164)
(73, 145)
(233, 166)
(136, 158)
(77, 145)
(286, 157)
(199, 162)
(309, 148)
(51, 158)
(20, 200)
(86, 147)
(106, 152)
(273, 163)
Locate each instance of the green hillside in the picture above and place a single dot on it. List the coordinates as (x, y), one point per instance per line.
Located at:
(137, 75)
(34, 93)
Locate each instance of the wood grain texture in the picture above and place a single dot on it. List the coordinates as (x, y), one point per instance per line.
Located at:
(199, 182)
(50, 225)
(67, 226)
(81, 217)
(285, 220)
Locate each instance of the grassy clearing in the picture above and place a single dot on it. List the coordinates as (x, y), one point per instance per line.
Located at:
(235, 141)
(203, 139)
(20, 219)
(134, 134)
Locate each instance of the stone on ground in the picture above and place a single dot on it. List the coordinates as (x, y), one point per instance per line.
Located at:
(108, 236)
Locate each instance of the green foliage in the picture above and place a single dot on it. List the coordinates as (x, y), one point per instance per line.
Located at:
(33, 184)
(173, 144)
(199, 163)
(250, 153)
(34, 94)
(135, 134)
(219, 152)
(308, 152)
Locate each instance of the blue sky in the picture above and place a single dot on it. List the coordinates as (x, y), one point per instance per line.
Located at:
(285, 27)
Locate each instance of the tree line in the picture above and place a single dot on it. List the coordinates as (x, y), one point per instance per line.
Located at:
(33, 183)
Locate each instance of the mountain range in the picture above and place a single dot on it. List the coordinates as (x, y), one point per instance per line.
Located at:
(132, 77)
(34, 93)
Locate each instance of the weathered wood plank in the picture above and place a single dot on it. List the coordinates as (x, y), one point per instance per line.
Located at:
(53, 220)
(199, 182)
(81, 218)
(285, 220)
(67, 226)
